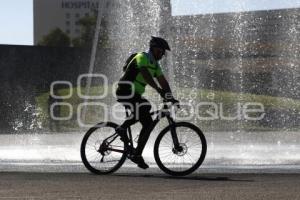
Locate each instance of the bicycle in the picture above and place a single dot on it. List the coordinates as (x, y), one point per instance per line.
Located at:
(103, 151)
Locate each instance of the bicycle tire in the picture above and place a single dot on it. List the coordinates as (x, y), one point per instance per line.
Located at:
(172, 168)
(101, 169)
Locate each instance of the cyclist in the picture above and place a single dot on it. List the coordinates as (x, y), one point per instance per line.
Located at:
(141, 71)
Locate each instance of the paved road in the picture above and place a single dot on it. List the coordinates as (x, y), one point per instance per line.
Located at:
(25, 185)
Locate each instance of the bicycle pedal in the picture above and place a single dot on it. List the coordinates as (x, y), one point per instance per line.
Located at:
(102, 159)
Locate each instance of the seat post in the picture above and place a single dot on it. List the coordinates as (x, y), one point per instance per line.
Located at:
(128, 128)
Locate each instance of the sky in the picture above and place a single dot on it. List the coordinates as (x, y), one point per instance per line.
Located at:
(187, 7)
(16, 16)
(16, 22)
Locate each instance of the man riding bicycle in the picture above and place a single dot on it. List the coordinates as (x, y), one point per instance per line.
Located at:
(141, 70)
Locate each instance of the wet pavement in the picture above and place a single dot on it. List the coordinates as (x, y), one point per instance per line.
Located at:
(29, 185)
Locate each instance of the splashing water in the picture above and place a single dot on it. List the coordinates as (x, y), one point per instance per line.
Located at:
(225, 59)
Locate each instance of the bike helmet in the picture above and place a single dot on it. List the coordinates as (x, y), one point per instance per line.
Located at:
(159, 42)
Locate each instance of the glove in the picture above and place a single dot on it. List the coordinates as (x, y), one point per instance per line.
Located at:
(168, 97)
(161, 92)
(175, 102)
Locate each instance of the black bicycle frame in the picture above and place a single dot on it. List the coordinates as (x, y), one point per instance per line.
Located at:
(160, 114)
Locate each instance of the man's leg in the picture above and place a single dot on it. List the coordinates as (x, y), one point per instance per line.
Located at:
(147, 122)
(147, 125)
(130, 120)
(125, 97)
(129, 105)
(122, 129)
(140, 112)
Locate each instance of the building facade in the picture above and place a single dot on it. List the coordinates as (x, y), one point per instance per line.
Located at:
(250, 51)
(63, 14)
(255, 52)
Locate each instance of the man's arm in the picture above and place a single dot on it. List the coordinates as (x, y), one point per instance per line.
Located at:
(165, 86)
(165, 90)
(164, 83)
(148, 78)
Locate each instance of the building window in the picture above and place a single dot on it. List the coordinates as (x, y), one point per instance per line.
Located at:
(68, 31)
(68, 23)
(68, 15)
(77, 23)
(77, 15)
(87, 14)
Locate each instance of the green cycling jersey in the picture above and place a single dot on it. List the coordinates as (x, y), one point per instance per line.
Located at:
(134, 75)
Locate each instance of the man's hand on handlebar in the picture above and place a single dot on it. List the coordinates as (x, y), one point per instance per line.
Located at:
(161, 92)
(175, 102)
(165, 95)
(168, 97)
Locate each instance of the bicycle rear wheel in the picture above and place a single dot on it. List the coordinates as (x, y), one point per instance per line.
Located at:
(102, 151)
(191, 154)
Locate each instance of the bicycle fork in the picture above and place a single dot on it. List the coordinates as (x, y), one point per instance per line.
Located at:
(177, 147)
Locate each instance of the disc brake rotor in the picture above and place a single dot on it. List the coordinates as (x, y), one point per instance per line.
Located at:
(181, 150)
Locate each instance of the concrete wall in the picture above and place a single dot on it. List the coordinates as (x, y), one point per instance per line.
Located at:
(36, 67)
(26, 71)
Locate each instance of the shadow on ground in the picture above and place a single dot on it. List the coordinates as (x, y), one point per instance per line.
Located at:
(189, 178)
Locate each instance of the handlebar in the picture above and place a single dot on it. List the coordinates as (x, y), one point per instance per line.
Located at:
(167, 107)
(173, 101)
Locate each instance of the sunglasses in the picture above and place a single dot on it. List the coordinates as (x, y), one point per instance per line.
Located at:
(161, 51)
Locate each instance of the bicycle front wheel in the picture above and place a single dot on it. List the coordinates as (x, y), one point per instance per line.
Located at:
(102, 151)
(186, 159)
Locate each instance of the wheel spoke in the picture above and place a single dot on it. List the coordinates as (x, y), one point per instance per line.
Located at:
(180, 161)
(93, 141)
